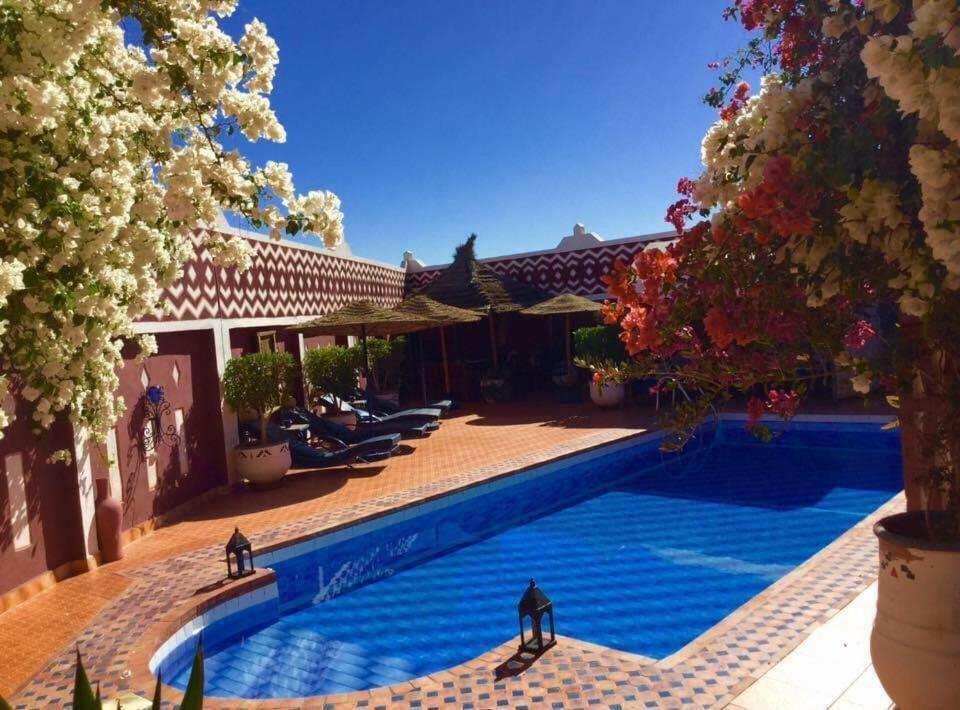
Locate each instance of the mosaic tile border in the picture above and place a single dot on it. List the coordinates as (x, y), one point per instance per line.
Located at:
(708, 673)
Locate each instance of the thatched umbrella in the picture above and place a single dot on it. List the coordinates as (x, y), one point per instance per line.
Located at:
(566, 304)
(422, 306)
(364, 318)
(475, 286)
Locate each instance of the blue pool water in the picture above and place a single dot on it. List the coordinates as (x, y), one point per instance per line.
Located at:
(639, 551)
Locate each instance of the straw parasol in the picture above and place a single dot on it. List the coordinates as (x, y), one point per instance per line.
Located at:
(422, 306)
(472, 285)
(566, 304)
(364, 318)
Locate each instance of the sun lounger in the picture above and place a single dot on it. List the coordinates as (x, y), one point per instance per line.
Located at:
(407, 417)
(319, 426)
(336, 452)
(385, 406)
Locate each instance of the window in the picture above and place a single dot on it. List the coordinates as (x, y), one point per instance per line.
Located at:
(267, 341)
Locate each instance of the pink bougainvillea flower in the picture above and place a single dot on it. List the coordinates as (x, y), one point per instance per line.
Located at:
(859, 335)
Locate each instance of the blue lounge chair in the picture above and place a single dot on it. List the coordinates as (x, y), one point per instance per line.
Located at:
(320, 426)
(406, 419)
(385, 406)
(340, 454)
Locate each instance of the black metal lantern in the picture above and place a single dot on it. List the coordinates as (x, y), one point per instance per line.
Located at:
(235, 548)
(535, 604)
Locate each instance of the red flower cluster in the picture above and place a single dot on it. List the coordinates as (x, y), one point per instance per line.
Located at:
(724, 331)
(738, 101)
(641, 305)
(783, 201)
(793, 22)
(783, 403)
(859, 335)
(678, 212)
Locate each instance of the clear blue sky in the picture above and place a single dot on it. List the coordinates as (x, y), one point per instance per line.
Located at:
(511, 118)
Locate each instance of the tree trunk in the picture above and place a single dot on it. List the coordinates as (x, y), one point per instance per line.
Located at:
(930, 444)
(263, 429)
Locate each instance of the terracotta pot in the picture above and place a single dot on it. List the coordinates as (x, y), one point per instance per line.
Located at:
(915, 642)
(263, 466)
(611, 395)
(109, 523)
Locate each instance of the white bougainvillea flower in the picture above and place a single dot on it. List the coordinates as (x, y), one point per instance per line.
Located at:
(110, 156)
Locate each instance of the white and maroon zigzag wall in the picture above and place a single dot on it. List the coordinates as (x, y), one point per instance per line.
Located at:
(575, 271)
(283, 281)
(289, 280)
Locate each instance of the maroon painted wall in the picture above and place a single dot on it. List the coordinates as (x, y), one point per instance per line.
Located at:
(53, 504)
(185, 366)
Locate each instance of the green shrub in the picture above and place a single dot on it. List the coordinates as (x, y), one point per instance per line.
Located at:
(84, 697)
(386, 361)
(332, 370)
(260, 382)
(598, 345)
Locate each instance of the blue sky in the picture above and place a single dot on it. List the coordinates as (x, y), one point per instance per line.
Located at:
(514, 119)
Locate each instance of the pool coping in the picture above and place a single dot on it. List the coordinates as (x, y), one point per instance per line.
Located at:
(133, 673)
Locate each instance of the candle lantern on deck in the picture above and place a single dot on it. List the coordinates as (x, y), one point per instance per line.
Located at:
(535, 605)
(237, 565)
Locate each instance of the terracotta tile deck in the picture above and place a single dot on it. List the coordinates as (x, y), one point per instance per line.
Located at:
(154, 588)
(470, 438)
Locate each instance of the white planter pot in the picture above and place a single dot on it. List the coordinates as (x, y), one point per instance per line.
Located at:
(915, 642)
(263, 466)
(611, 395)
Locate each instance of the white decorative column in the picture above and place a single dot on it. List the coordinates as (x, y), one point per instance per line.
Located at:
(231, 433)
(86, 491)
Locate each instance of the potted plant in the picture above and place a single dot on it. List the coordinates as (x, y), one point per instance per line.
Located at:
(915, 643)
(332, 370)
(386, 361)
(260, 383)
(599, 349)
(495, 386)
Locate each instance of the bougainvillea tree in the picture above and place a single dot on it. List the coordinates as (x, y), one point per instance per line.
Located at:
(113, 118)
(824, 231)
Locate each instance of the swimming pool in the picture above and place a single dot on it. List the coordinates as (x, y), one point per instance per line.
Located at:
(639, 551)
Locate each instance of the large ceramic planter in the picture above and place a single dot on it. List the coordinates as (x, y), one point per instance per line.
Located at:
(109, 524)
(916, 635)
(263, 466)
(611, 395)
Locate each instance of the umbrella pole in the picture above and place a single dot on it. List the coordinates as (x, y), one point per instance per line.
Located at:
(423, 370)
(446, 364)
(366, 361)
(569, 352)
(493, 342)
